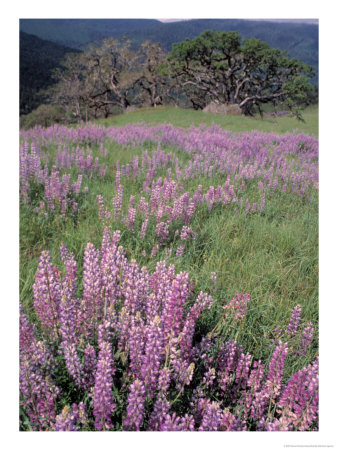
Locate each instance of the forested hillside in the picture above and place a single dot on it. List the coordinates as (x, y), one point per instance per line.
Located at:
(38, 58)
(79, 32)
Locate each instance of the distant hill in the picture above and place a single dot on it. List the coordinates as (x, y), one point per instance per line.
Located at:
(38, 58)
(79, 32)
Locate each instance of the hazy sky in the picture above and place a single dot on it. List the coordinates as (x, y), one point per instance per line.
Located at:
(313, 21)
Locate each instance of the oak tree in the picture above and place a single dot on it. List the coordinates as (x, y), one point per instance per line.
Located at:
(219, 67)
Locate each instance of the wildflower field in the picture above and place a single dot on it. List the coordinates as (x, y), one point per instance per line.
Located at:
(169, 275)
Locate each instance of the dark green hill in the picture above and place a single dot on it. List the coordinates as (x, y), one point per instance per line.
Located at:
(79, 32)
(37, 59)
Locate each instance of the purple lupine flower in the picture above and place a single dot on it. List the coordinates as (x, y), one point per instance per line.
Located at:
(231, 423)
(213, 277)
(37, 389)
(159, 413)
(64, 253)
(209, 377)
(47, 295)
(154, 251)
(182, 370)
(164, 380)
(189, 212)
(81, 410)
(131, 218)
(92, 300)
(227, 362)
(211, 418)
(274, 377)
(124, 330)
(112, 263)
(89, 366)
(203, 301)
(294, 320)
(133, 288)
(173, 309)
(282, 424)
(100, 203)
(306, 339)
(76, 187)
(242, 370)
(186, 233)
(299, 399)
(153, 355)
(67, 420)
(103, 400)
(180, 250)
(144, 228)
(256, 375)
(187, 423)
(135, 408)
(237, 306)
(162, 231)
(117, 202)
(26, 332)
(136, 341)
(171, 423)
(69, 321)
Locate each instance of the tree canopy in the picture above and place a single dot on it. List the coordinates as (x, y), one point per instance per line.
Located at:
(219, 67)
(216, 67)
(111, 75)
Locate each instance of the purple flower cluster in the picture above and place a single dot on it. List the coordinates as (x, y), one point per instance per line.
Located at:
(58, 192)
(237, 306)
(294, 320)
(103, 395)
(242, 156)
(130, 349)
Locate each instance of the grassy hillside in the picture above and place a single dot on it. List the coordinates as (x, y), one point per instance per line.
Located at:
(187, 117)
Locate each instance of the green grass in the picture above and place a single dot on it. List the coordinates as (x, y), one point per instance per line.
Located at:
(271, 255)
(187, 117)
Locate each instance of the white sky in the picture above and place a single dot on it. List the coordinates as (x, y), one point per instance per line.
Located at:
(313, 21)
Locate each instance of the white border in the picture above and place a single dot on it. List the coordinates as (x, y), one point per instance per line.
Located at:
(10, 13)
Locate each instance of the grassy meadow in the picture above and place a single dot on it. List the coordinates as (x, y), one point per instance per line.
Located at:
(270, 252)
(188, 117)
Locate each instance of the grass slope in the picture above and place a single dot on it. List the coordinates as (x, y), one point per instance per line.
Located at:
(187, 117)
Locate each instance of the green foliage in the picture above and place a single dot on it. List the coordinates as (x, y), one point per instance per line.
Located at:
(218, 67)
(44, 115)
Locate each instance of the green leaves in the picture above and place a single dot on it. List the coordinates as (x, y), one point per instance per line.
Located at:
(218, 67)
